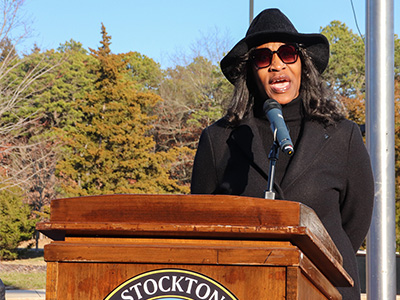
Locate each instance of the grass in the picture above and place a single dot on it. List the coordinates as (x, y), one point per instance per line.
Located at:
(25, 280)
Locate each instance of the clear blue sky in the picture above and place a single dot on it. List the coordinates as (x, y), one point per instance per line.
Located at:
(157, 28)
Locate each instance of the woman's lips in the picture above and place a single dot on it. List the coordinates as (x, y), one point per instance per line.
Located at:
(280, 84)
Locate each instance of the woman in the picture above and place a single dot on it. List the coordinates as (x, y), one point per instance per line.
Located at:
(330, 170)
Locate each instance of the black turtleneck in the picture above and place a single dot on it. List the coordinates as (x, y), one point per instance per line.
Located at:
(293, 115)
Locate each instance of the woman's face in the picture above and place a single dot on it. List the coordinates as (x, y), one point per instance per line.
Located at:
(281, 81)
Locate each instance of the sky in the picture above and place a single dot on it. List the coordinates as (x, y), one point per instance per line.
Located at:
(161, 28)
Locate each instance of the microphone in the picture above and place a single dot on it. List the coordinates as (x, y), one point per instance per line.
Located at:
(273, 110)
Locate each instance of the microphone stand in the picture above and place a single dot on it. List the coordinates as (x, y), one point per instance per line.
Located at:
(273, 157)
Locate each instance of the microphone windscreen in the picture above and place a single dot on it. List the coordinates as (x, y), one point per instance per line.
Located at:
(270, 104)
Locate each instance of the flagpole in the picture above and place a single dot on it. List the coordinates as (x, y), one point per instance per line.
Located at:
(381, 240)
(251, 10)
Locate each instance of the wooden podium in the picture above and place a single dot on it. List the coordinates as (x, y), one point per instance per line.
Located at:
(255, 248)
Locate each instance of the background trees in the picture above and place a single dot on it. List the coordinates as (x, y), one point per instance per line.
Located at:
(76, 122)
(109, 150)
(346, 70)
(195, 94)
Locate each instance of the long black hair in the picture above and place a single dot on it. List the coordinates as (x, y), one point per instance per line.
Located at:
(316, 95)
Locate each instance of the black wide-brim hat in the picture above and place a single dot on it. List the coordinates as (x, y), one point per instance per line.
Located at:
(271, 25)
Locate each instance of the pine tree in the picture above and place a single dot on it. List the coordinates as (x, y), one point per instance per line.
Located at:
(16, 222)
(109, 150)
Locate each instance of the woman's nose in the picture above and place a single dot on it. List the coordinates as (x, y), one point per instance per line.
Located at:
(276, 63)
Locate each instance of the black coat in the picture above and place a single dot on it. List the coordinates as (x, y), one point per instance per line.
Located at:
(329, 172)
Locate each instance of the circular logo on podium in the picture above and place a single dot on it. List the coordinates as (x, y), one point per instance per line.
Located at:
(171, 284)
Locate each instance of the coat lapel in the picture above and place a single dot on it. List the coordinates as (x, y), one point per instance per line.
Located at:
(311, 144)
(247, 138)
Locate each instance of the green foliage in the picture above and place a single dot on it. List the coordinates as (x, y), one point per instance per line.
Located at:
(110, 150)
(397, 57)
(69, 83)
(144, 71)
(6, 49)
(51, 97)
(45, 86)
(346, 70)
(16, 223)
(23, 79)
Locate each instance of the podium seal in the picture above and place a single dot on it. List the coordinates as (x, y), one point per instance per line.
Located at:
(170, 284)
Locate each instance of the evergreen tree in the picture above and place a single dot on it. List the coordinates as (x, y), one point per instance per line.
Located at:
(16, 223)
(146, 73)
(109, 150)
(70, 82)
(346, 70)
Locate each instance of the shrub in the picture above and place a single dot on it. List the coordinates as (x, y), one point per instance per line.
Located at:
(16, 223)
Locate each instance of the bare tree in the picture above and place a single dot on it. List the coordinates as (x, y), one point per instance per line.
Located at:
(31, 166)
(212, 44)
(194, 92)
(16, 91)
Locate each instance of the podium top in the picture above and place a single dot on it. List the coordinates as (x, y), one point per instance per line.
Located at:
(194, 216)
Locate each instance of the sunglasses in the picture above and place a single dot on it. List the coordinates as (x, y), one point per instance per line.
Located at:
(262, 57)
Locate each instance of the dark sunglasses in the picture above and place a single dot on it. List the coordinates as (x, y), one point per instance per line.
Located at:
(262, 57)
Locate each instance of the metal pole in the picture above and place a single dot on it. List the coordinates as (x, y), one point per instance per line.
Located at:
(251, 11)
(381, 240)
